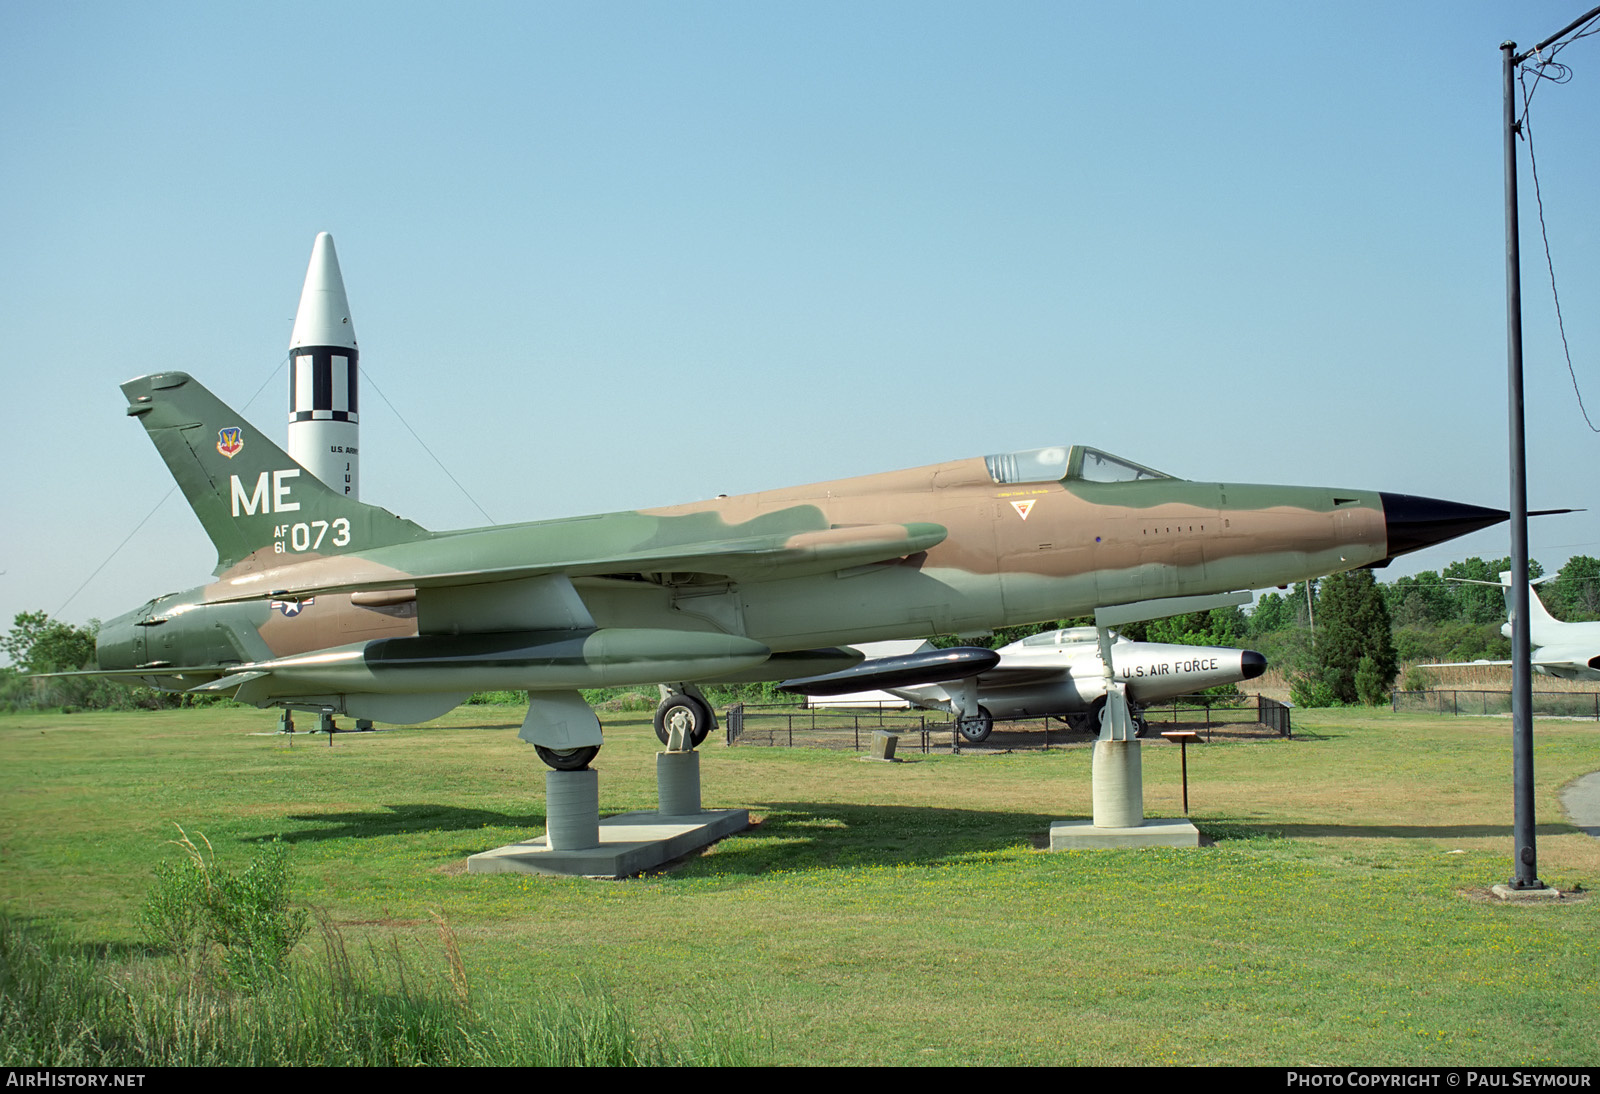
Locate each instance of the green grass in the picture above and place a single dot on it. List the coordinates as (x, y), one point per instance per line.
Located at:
(883, 913)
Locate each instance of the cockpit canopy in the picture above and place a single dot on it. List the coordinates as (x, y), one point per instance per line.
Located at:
(1059, 463)
(1070, 636)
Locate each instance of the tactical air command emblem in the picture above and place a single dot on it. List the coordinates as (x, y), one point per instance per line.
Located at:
(292, 608)
(229, 442)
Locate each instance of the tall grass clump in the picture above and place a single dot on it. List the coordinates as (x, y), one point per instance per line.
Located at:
(197, 904)
(68, 1006)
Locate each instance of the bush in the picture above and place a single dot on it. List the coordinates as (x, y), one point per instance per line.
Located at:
(1310, 691)
(196, 904)
(1371, 688)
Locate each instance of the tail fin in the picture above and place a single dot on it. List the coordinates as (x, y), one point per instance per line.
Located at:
(250, 496)
(1541, 624)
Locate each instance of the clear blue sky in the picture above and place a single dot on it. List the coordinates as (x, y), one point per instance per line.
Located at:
(604, 256)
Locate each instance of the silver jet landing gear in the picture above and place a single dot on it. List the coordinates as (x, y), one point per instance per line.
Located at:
(973, 722)
(684, 709)
(1089, 721)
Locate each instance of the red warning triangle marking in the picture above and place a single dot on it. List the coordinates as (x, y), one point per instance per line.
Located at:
(1023, 508)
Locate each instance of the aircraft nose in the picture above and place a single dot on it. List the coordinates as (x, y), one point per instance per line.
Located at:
(1252, 664)
(1414, 523)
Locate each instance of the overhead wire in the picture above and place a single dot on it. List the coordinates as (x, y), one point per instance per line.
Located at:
(1548, 68)
(367, 378)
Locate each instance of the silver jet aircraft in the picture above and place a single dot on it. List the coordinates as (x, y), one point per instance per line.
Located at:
(1570, 651)
(1054, 673)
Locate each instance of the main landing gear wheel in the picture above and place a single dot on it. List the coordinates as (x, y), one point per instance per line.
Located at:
(685, 712)
(976, 727)
(567, 759)
(1097, 712)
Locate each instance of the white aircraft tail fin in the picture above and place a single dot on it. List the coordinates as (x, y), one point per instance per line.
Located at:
(1541, 624)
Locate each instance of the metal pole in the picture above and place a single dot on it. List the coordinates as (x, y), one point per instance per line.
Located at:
(1183, 751)
(1526, 854)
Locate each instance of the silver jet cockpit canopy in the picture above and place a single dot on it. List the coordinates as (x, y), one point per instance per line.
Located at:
(1058, 463)
(1070, 636)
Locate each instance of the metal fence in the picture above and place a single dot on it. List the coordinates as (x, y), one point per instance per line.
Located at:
(851, 729)
(1206, 714)
(786, 726)
(1552, 704)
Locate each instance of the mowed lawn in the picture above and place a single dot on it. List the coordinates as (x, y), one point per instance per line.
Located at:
(885, 913)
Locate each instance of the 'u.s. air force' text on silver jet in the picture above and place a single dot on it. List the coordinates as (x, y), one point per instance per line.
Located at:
(324, 603)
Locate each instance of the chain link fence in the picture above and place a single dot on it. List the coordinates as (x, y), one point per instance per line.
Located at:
(1551, 704)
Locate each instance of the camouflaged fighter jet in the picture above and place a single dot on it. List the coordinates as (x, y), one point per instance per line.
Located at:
(327, 604)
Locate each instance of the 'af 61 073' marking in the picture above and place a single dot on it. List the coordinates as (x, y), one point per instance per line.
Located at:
(308, 537)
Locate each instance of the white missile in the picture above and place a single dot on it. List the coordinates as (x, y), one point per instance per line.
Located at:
(324, 428)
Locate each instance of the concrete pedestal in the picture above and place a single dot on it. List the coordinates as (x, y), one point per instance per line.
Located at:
(628, 844)
(578, 843)
(1119, 819)
(572, 809)
(678, 783)
(1118, 785)
(1084, 835)
(883, 744)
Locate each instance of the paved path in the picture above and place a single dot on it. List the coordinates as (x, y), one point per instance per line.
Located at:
(1582, 803)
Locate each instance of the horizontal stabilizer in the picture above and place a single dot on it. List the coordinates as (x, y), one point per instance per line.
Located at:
(907, 671)
(232, 682)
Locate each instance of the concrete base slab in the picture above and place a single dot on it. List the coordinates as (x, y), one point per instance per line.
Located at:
(629, 844)
(1155, 832)
(1506, 892)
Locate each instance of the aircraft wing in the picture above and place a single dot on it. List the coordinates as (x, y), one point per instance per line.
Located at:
(437, 563)
(1578, 659)
(1013, 676)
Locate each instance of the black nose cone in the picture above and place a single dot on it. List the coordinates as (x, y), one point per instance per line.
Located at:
(1252, 664)
(1415, 523)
